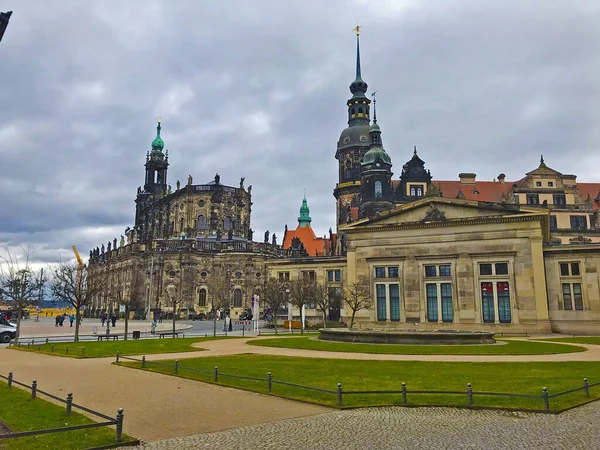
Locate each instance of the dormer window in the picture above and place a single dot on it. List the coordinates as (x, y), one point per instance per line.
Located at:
(550, 184)
(538, 184)
(416, 191)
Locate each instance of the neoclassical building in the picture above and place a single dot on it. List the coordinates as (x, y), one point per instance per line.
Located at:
(508, 256)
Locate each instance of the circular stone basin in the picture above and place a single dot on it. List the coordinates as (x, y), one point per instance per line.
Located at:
(414, 337)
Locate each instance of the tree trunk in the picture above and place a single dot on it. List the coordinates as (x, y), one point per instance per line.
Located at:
(173, 321)
(215, 326)
(18, 333)
(352, 319)
(324, 318)
(301, 320)
(275, 322)
(77, 320)
(126, 321)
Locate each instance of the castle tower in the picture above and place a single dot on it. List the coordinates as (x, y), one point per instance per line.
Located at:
(376, 177)
(352, 146)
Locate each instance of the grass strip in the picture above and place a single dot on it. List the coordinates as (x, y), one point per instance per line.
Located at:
(105, 349)
(507, 347)
(593, 340)
(360, 375)
(21, 413)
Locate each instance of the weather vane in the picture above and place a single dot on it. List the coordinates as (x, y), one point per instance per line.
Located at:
(357, 29)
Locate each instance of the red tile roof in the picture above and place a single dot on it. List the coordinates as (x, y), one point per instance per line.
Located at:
(314, 246)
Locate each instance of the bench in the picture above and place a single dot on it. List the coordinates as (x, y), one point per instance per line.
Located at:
(167, 333)
(114, 337)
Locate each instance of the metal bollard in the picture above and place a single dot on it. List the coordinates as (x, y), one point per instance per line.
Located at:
(176, 365)
(216, 374)
(143, 362)
(403, 393)
(586, 388)
(10, 378)
(67, 350)
(52, 348)
(118, 356)
(270, 381)
(82, 352)
(69, 403)
(119, 424)
(33, 389)
(470, 393)
(546, 400)
(339, 394)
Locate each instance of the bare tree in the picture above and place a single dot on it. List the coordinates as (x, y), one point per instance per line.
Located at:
(128, 290)
(357, 296)
(325, 298)
(302, 292)
(219, 292)
(20, 284)
(75, 288)
(274, 294)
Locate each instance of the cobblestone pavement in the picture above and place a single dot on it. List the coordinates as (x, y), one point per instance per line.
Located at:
(407, 428)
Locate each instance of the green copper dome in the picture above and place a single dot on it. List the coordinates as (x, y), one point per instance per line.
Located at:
(157, 144)
(304, 218)
(376, 154)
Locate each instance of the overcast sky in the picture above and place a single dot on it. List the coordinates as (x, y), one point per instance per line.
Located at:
(258, 89)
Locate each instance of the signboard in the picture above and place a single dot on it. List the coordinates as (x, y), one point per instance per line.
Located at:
(122, 308)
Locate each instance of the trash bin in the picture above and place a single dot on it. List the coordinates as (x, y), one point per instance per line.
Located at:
(136, 334)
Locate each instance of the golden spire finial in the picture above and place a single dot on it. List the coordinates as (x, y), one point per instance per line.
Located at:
(158, 120)
(357, 29)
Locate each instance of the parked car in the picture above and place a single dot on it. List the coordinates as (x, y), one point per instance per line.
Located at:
(8, 331)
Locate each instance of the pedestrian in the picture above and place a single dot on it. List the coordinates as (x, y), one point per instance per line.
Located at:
(103, 319)
(113, 319)
(71, 319)
(229, 324)
(56, 321)
(153, 327)
(160, 318)
(61, 319)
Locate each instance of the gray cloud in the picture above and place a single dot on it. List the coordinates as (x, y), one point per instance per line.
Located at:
(258, 89)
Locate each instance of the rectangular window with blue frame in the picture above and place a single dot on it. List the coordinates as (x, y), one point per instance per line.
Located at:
(487, 302)
(379, 272)
(503, 302)
(432, 302)
(381, 302)
(394, 302)
(447, 309)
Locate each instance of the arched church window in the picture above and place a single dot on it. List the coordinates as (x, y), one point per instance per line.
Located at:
(237, 298)
(202, 297)
(201, 224)
(413, 191)
(378, 189)
(360, 112)
(353, 112)
(227, 223)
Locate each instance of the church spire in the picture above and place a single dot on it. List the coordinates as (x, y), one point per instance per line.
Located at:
(304, 219)
(157, 143)
(357, 29)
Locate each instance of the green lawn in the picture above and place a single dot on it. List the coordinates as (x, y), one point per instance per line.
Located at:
(595, 340)
(104, 349)
(359, 375)
(20, 413)
(508, 347)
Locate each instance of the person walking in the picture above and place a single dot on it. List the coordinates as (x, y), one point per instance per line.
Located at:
(72, 319)
(56, 321)
(113, 319)
(103, 318)
(153, 327)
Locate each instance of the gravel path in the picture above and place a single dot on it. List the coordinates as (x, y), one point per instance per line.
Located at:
(237, 346)
(407, 428)
(156, 406)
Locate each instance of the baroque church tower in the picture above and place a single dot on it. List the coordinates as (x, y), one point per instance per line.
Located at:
(155, 183)
(352, 146)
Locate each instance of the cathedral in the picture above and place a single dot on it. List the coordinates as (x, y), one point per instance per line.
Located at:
(506, 256)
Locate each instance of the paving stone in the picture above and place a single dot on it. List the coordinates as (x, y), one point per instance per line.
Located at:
(408, 428)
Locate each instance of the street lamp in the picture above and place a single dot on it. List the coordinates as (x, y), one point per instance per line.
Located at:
(4, 18)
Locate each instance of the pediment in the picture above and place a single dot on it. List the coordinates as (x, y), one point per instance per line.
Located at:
(431, 210)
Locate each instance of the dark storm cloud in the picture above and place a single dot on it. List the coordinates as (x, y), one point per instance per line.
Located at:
(258, 89)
